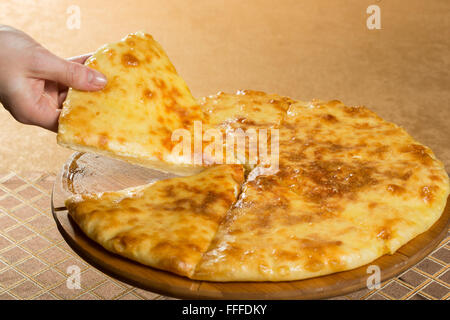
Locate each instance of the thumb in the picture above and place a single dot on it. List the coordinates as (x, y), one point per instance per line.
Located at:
(71, 74)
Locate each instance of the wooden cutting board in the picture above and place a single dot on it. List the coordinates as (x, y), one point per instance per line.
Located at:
(85, 172)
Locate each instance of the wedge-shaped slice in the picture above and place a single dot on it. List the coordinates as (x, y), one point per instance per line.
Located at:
(166, 225)
(272, 234)
(134, 116)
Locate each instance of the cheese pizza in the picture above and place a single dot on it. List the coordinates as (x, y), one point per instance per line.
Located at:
(134, 116)
(349, 186)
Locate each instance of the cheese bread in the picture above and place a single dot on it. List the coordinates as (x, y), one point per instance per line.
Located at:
(134, 116)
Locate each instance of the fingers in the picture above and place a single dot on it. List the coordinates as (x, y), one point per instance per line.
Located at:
(61, 97)
(46, 113)
(43, 114)
(80, 59)
(33, 81)
(51, 88)
(26, 108)
(72, 74)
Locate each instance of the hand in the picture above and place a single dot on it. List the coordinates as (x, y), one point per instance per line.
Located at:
(34, 82)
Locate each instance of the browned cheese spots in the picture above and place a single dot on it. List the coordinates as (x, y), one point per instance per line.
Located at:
(129, 60)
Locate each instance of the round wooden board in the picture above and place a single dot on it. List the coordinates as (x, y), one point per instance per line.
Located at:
(92, 173)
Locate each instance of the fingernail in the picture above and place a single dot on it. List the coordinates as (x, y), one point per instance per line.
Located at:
(96, 78)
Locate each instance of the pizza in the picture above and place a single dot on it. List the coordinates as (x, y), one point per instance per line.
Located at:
(134, 116)
(168, 224)
(349, 187)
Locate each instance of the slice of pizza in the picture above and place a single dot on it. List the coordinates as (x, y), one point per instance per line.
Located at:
(168, 224)
(134, 116)
(273, 234)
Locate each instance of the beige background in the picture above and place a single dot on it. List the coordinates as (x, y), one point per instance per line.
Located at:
(303, 49)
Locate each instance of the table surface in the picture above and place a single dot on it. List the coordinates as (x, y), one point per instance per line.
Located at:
(303, 49)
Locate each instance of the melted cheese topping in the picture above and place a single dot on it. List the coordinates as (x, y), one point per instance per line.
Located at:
(166, 225)
(246, 109)
(250, 112)
(134, 116)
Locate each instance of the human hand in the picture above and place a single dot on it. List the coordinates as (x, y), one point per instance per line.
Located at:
(34, 82)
